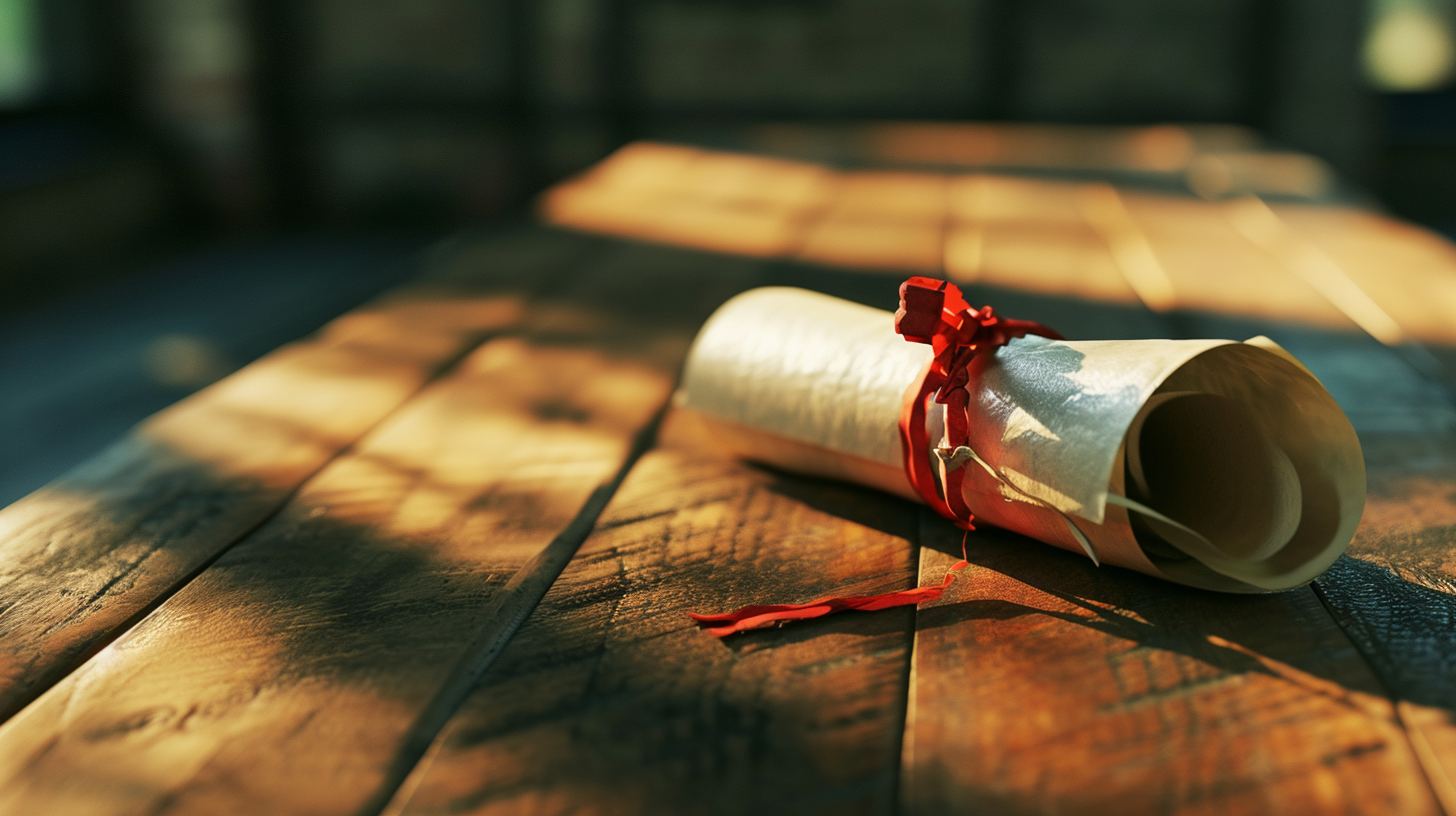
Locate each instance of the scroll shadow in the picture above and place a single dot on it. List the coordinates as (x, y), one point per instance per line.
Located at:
(1406, 631)
(1225, 631)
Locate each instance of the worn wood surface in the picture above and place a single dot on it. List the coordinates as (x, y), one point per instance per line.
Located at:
(610, 700)
(84, 557)
(282, 678)
(1395, 591)
(1048, 685)
(300, 670)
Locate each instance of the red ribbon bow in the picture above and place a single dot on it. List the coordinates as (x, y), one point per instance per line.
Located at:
(932, 312)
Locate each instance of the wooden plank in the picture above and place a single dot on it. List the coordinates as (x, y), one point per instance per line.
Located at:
(726, 202)
(611, 701)
(877, 220)
(1395, 591)
(285, 677)
(1059, 260)
(397, 514)
(1029, 235)
(1049, 685)
(1405, 629)
(1391, 594)
(1214, 268)
(87, 555)
(1408, 271)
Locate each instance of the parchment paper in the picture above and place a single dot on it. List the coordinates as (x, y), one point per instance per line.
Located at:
(1242, 473)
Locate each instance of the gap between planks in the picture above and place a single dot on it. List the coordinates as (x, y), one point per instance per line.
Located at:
(517, 600)
(176, 493)
(611, 700)
(355, 576)
(1048, 684)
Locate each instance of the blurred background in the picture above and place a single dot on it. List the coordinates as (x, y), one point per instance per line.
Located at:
(186, 184)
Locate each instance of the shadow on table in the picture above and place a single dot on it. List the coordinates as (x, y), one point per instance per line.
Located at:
(1409, 645)
(368, 622)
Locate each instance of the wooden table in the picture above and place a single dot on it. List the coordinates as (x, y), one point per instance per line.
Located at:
(437, 558)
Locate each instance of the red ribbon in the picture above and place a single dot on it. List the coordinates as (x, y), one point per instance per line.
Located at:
(762, 617)
(932, 312)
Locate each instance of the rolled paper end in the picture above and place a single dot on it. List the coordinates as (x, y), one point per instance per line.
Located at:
(1212, 463)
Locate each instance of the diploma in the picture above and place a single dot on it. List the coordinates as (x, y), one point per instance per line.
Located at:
(1216, 464)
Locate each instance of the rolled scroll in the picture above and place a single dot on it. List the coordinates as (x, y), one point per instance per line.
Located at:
(1216, 464)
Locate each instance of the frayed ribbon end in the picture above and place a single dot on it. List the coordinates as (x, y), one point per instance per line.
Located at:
(764, 616)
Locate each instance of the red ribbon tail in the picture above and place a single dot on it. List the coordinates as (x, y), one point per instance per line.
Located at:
(764, 616)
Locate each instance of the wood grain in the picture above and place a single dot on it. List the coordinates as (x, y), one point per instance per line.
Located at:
(85, 556)
(1393, 593)
(282, 678)
(611, 701)
(1049, 685)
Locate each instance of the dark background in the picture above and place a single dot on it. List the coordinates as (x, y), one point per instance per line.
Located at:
(185, 184)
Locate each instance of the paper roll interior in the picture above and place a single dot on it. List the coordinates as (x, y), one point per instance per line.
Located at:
(1243, 473)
